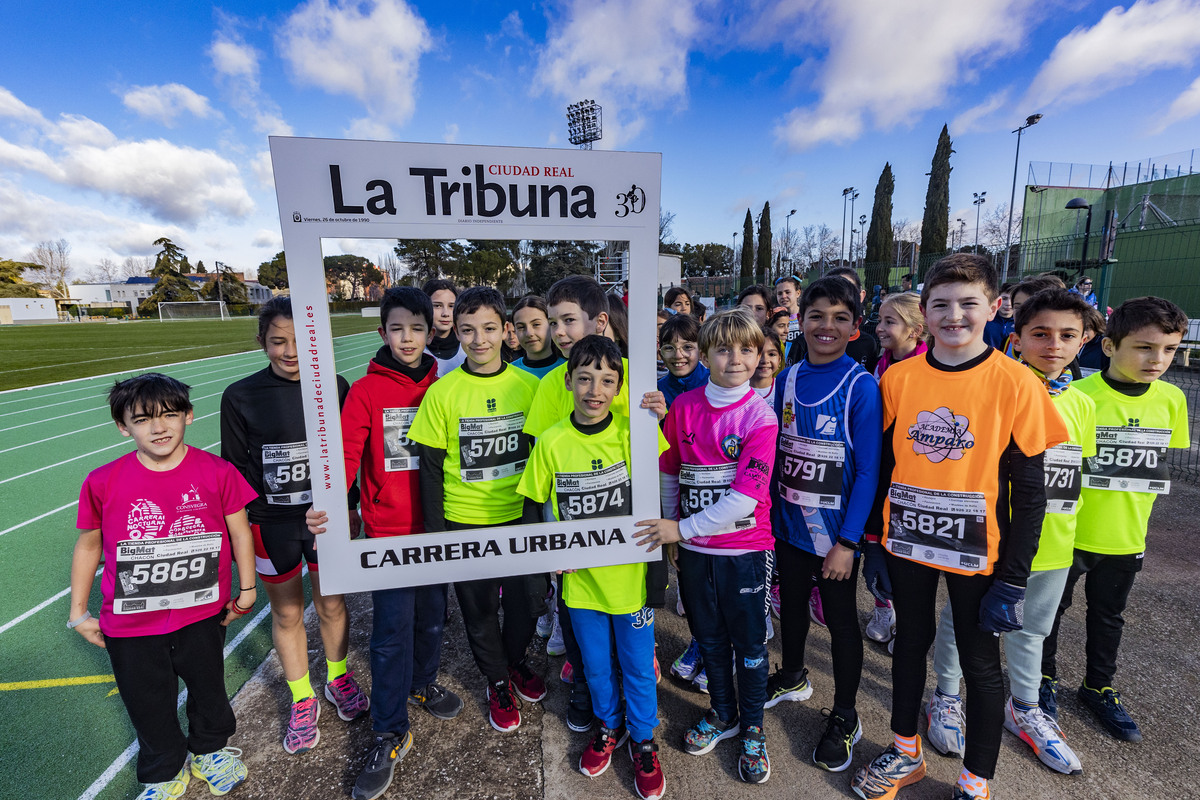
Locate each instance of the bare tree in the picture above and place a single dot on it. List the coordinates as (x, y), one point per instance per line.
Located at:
(105, 271)
(817, 246)
(666, 224)
(390, 266)
(53, 261)
(993, 228)
(137, 266)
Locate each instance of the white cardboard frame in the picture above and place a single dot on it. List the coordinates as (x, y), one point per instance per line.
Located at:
(329, 188)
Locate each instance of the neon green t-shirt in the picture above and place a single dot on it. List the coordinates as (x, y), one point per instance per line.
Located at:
(554, 403)
(1064, 477)
(478, 421)
(1130, 466)
(587, 475)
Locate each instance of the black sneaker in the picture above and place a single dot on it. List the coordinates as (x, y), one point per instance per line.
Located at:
(437, 700)
(836, 748)
(1106, 704)
(579, 708)
(376, 775)
(783, 686)
(1048, 697)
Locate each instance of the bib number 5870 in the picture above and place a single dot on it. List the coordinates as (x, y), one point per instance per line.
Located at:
(1127, 457)
(933, 525)
(164, 571)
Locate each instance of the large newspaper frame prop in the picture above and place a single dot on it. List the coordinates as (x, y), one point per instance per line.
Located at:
(389, 190)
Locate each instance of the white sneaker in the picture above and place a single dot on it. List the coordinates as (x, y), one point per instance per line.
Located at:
(545, 623)
(770, 628)
(947, 727)
(1044, 736)
(554, 645)
(882, 627)
(679, 606)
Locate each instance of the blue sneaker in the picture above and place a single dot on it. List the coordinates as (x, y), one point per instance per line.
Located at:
(223, 771)
(1048, 697)
(753, 765)
(167, 790)
(1106, 704)
(701, 681)
(704, 735)
(689, 663)
(887, 774)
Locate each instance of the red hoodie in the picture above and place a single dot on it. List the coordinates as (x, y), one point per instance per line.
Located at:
(391, 499)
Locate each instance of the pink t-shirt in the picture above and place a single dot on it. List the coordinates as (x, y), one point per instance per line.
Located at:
(714, 449)
(167, 555)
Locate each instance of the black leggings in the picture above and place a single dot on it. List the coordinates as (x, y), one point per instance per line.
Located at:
(914, 596)
(797, 570)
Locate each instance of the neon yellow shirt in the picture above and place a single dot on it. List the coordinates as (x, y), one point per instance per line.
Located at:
(1064, 476)
(554, 403)
(587, 475)
(478, 421)
(1129, 469)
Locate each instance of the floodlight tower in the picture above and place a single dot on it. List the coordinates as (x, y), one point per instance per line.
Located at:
(584, 123)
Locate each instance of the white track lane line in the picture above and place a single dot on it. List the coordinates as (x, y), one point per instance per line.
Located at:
(39, 607)
(152, 367)
(72, 504)
(119, 763)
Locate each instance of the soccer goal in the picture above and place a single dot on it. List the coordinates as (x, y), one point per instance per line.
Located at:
(193, 309)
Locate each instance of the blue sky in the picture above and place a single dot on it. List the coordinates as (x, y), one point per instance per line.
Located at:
(123, 122)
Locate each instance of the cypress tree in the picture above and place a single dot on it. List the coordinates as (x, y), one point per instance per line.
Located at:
(936, 225)
(747, 250)
(879, 235)
(763, 269)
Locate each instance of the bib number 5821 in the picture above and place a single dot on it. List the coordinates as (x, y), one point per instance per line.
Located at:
(934, 525)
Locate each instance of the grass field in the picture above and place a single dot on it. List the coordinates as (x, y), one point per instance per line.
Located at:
(38, 354)
(64, 732)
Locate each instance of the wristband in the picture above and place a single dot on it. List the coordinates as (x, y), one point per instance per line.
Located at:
(235, 608)
(849, 545)
(251, 589)
(75, 623)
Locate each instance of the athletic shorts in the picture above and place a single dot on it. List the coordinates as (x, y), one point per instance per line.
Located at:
(279, 548)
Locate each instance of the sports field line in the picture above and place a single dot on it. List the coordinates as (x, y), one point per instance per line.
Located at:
(119, 763)
(56, 436)
(153, 367)
(54, 683)
(39, 516)
(40, 606)
(86, 410)
(112, 358)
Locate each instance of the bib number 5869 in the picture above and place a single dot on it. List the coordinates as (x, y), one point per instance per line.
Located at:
(164, 571)
(933, 525)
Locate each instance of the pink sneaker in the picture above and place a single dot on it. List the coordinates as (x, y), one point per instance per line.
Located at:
(348, 697)
(302, 734)
(815, 612)
(775, 600)
(567, 675)
(526, 683)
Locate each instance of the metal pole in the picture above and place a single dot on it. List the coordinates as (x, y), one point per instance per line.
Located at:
(1087, 230)
(1011, 202)
(842, 243)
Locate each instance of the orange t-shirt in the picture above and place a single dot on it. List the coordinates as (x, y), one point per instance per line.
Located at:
(952, 429)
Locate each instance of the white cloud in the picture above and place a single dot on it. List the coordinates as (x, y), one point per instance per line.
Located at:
(13, 108)
(629, 55)
(236, 64)
(267, 238)
(450, 135)
(887, 62)
(173, 182)
(1122, 47)
(264, 172)
(972, 119)
(369, 51)
(1186, 106)
(165, 103)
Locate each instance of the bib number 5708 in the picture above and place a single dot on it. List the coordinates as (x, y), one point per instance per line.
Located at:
(934, 525)
(499, 445)
(164, 571)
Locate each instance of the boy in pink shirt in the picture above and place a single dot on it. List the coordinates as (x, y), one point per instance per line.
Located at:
(169, 520)
(716, 477)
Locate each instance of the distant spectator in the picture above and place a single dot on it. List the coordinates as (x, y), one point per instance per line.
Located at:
(1083, 286)
(678, 300)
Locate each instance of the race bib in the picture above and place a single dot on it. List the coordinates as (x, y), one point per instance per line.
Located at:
(170, 573)
(399, 452)
(702, 485)
(1129, 460)
(793, 330)
(941, 529)
(606, 493)
(1064, 468)
(285, 474)
(810, 471)
(492, 447)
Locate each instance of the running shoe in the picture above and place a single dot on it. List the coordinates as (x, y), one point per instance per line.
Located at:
(947, 726)
(892, 646)
(689, 662)
(775, 600)
(168, 790)
(545, 623)
(348, 697)
(555, 645)
(302, 734)
(503, 712)
(888, 773)
(648, 777)
(960, 793)
(1042, 734)
(770, 627)
(437, 700)
(882, 627)
(579, 708)
(704, 735)
(526, 683)
(1106, 704)
(836, 749)
(679, 609)
(782, 686)
(701, 681)
(815, 612)
(1048, 697)
(597, 756)
(567, 673)
(753, 765)
(657, 669)
(223, 770)
(376, 775)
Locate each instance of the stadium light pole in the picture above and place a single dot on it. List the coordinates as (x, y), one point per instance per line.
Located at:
(733, 255)
(842, 244)
(980, 199)
(1074, 205)
(1030, 121)
(787, 238)
(585, 123)
(862, 242)
(962, 231)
